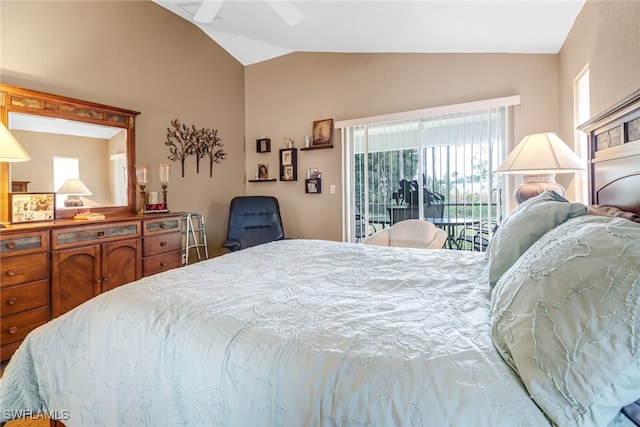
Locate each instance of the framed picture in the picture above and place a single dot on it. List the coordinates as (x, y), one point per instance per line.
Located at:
(313, 186)
(286, 157)
(263, 145)
(263, 170)
(287, 175)
(322, 134)
(30, 207)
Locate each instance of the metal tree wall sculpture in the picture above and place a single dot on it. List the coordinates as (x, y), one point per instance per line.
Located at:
(184, 141)
(210, 141)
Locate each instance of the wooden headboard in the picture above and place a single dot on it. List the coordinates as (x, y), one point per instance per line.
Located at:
(614, 155)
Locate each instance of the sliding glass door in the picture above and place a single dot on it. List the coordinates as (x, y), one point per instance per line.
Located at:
(437, 168)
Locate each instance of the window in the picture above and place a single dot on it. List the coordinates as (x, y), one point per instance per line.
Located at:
(63, 169)
(119, 180)
(426, 165)
(582, 113)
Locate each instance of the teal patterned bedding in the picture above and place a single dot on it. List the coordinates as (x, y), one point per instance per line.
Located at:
(291, 333)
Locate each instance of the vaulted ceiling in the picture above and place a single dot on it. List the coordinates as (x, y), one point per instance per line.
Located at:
(257, 30)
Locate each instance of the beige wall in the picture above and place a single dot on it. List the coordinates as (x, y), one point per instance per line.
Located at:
(606, 36)
(139, 56)
(285, 95)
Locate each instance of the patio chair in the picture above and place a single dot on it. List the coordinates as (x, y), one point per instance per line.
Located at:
(410, 233)
(476, 237)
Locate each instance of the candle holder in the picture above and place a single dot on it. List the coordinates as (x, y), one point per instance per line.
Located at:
(163, 172)
(141, 176)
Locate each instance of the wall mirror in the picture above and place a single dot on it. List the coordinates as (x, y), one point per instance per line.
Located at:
(97, 140)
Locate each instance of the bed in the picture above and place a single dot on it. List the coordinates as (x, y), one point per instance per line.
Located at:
(543, 329)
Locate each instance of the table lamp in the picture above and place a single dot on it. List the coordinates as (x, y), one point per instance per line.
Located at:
(10, 150)
(73, 188)
(539, 158)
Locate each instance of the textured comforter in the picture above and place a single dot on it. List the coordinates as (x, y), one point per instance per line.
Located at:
(293, 333)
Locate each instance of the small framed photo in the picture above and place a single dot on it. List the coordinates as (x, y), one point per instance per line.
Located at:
(322, 134)
(312, 186)
(288, 173)
(263, 170)
(31, 207)
(263, 145)
(286, 157)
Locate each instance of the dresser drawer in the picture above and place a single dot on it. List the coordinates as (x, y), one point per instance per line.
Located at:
(77, 236)
(15, 299)
(16, 327)
(160, 263)
(24, 243)
(161, 243)
(156, 226)
(23, 269)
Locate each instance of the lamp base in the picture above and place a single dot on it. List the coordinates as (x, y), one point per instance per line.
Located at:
(72, 202)
(532, 185)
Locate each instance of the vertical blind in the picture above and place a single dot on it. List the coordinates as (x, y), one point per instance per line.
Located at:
(447, 157)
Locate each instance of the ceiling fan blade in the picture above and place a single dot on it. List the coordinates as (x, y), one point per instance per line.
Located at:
(208, 10)
(287, 11)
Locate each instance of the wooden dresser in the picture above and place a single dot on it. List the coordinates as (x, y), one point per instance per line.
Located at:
(48, 268)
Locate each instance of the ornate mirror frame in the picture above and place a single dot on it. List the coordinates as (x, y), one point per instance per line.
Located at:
(15, 99)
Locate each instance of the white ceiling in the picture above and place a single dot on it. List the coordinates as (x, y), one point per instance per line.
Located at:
(252, 31)
(27, 122)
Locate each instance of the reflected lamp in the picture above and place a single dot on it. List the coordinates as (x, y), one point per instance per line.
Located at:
(538, 158)
(73, 188)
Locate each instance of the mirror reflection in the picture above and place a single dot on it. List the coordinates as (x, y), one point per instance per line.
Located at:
(64, 149)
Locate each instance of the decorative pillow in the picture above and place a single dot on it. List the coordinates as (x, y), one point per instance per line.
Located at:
(529, 221)
(566, 318)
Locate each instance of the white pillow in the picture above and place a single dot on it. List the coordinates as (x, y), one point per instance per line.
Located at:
(528, 222)
(566, 317)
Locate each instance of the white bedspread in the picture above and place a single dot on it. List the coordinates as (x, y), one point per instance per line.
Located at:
(293, 333)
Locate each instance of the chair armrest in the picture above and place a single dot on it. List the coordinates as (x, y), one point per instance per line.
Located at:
(231, 244)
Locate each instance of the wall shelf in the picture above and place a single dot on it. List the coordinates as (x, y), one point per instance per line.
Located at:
(321, 147)
(313, 186)
(263, 180)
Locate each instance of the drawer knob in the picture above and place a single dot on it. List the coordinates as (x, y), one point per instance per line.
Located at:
(162, 264)
(163, 243)
(100, 233)
(12, 300)
(11, 272)
(163, 225)
(13, 329)
(11, 245)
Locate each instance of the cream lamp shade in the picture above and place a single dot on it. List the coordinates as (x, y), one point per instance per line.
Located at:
(74, 188)
(10, 149)
(538, 158)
